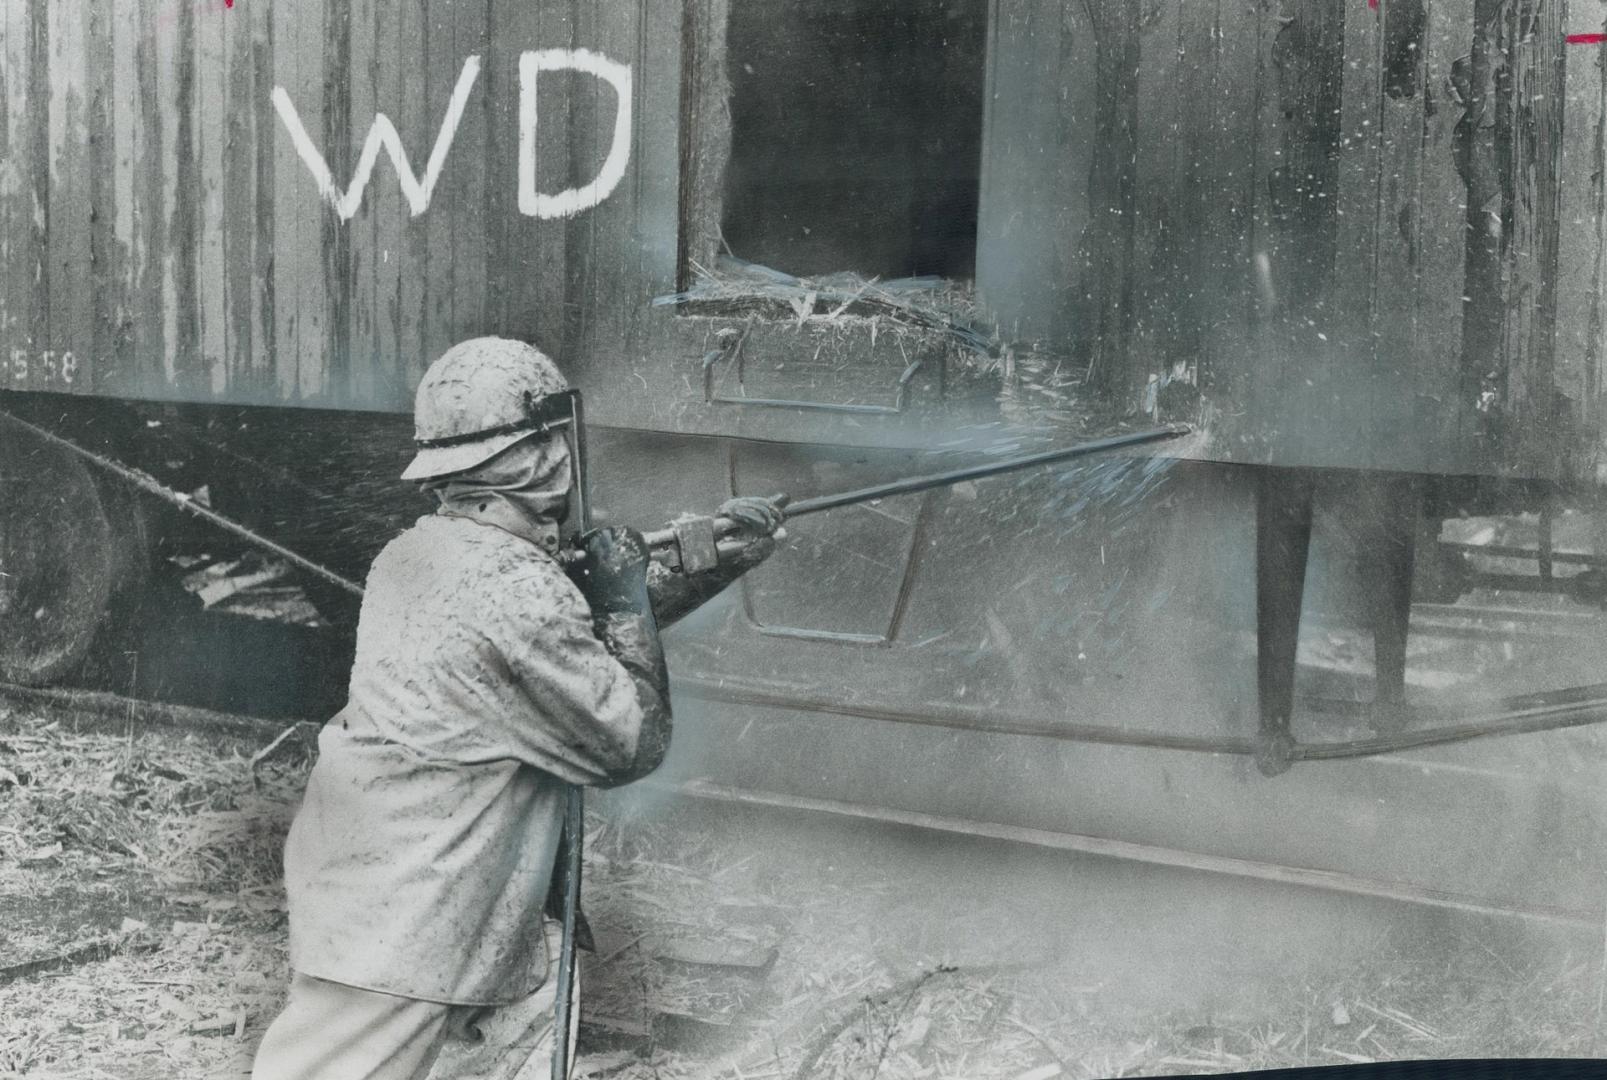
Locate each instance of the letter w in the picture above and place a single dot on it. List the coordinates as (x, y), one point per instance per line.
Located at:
(382, 133)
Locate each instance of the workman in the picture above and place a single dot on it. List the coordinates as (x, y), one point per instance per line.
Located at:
(490, 673)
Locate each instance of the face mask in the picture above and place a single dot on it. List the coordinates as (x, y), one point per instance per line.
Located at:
(524, 490)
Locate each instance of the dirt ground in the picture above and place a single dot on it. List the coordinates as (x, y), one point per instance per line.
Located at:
(142, 935)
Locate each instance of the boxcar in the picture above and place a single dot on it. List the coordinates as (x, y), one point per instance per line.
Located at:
(800, 246)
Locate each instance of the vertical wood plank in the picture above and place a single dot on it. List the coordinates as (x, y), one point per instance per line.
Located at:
(412, 333)
(265, 163)
(582, 233)
(294, 197)
(1403, 440)
(186, 208)
(1267, 364)
(706, 134)
(1163, 173)
(437, 260)
(1442, 223)
(237, 189)
(390, 218)
(525, 256)
(106, 313)
(362, 72)
(152, 358)
(125, 49)
(334, 239)
(1196, 183)
(1580, 246)
(209, 99)
(650, 40)
(1108, 248)
(1350, 357)
(311, 213)
(1232, 158)
(624, 251)
(1541, 419)
(1482, 129)
(466, 176)
(1037, 130)
(1582, 243)
(38, 121)
(1303, 72)
(609, 252)
(17, 253)
(68, 278)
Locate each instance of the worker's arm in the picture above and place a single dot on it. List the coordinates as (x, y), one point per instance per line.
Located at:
(676, 594)
(589, 668)
(611, 574)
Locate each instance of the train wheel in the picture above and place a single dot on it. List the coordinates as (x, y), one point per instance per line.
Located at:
(67, 551)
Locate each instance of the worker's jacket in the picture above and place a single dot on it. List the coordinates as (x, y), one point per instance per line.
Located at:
(419, 861)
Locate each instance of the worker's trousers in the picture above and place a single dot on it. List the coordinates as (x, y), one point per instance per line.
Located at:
(329, 1031)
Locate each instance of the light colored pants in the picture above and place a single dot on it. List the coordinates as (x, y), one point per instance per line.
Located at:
(329, 1031)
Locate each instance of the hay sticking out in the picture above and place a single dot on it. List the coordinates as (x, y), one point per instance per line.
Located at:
(739, 288)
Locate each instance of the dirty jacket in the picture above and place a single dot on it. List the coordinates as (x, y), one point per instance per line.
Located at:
(421, 856)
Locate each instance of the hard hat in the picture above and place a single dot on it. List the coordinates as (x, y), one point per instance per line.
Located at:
(482, 396)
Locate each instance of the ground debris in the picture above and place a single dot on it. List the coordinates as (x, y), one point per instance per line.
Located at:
(161, 956)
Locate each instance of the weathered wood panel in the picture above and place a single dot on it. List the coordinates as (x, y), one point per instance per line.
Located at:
(380, 374)
(316, 237)
(469, 225)
(1230, 154)
(1538, 421)
(127, 149)
(209, 138)
(1582, 243)
(1107, 245)
(1165, 232)
(439, 75)
(1037, 131)
(105, 286)
(66, 253)
(18, 253)
(417, 132)
(1443, 414)
(1349, 352)
(363, 229)
(291, 188)
(1304, 87)
(1373, 230)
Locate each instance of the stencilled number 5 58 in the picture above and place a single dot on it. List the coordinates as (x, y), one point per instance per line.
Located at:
(48, 368)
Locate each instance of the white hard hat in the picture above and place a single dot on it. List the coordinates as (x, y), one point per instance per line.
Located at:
(477, 400)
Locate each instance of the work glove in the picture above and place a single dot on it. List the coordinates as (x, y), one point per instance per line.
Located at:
(758, 522)
(611, 571)
(754, 514)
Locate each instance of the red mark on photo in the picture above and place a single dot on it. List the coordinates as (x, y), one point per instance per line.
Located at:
(1586, 39)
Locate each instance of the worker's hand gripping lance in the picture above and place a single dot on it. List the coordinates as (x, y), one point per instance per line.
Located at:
(694, 544)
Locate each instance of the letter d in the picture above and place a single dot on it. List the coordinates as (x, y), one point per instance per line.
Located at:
(573, 201)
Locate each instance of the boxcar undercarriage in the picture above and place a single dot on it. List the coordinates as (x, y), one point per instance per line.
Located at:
(1082, 659)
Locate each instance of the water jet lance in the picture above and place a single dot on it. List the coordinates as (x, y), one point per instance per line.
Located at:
(692, 543)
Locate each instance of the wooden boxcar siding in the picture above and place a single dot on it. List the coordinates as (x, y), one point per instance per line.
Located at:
(1374, 232)
(1374, 229)
(162, 237)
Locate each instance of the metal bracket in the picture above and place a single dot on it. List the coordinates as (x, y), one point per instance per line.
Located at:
(913, 551)
(732, 346)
